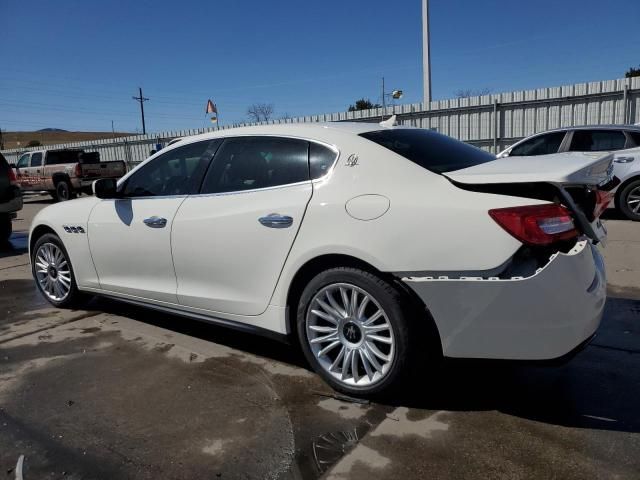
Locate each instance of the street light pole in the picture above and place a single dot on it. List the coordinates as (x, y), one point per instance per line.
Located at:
(426, 53)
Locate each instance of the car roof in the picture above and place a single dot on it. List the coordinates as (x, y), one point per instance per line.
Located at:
(318, 130)
(635, 128)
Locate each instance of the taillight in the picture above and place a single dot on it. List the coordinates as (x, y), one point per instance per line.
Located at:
(536, 224)
(12, 176)
(78, 170)
(603, 199)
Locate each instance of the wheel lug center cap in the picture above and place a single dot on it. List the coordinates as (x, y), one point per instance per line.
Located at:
(352, 332)
(53, 271)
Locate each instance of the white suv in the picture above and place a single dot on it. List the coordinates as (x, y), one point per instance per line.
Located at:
(621, 140)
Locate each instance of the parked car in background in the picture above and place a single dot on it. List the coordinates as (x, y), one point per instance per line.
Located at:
(367, 243)
(64, 173)
(10, 198)
(622, 140)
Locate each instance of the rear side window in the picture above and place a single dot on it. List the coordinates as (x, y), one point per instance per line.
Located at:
(58, 157)
(321, 160)
(36, 159)
(597, 140)
(433, 151)
(248, 163)
(540, 145)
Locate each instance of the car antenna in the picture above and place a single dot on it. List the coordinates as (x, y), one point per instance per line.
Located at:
(389, 122)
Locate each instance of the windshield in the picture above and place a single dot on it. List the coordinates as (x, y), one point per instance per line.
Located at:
(431, 150)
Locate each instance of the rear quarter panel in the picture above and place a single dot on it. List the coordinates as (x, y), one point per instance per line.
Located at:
(430, 225)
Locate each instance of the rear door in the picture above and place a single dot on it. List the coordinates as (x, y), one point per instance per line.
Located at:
(544, 144)
(230, 242)
(609, 140)
(36, 169)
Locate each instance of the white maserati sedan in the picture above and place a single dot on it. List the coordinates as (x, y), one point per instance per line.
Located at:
(365, 243)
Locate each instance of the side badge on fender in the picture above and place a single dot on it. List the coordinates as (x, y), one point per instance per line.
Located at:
(352, 161)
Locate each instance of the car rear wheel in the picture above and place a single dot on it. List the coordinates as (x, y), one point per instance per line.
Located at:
(5, 227)
(354, 331)
(64, 191)
(629, 201)
(53, 272)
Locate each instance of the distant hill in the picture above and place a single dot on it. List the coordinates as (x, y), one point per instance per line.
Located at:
(52, 136)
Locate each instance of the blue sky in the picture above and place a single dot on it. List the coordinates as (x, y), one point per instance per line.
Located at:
(76, 64)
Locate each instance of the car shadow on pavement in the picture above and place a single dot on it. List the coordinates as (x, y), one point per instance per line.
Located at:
(597, 389)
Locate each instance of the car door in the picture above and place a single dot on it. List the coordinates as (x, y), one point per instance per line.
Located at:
(22, 171)
(605, 141)
(539, 145)
(130, 237)
(230, 242)
(35, 171)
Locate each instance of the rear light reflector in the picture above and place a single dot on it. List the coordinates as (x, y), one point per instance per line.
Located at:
(536, 224)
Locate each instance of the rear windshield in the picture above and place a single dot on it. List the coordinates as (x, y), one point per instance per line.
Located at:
(431, 150)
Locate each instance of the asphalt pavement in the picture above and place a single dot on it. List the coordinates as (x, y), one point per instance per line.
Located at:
(113, 391)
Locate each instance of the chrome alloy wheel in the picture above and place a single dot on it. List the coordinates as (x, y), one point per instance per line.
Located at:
(633, 200)
(52, 272)
(350, 335)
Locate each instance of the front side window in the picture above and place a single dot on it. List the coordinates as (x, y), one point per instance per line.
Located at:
(540, 145)
(176, 172)
(597, 140)
(36, 159)
(431, 150)
(248, 163)
(24, 160)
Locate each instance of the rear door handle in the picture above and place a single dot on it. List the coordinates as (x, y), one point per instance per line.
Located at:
(155, 222)
(275, 220)
(624, 160)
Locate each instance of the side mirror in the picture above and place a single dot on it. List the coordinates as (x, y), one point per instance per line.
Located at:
(105, 188)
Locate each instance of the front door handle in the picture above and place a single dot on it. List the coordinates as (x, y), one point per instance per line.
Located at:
(155, 222)
(275, 220)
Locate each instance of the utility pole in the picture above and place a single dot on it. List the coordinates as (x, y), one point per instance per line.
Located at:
(426, 53)
(384, 102)
(141, 99)
(112, 130)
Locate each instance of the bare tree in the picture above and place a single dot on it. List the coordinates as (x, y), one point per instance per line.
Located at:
(260, 112)
(468, 92)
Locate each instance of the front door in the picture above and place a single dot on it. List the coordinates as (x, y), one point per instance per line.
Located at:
(22, 171)
(130, 237)
(230, 242)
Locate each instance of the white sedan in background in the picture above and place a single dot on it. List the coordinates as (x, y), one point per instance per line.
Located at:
(365, 243)
(623, 141)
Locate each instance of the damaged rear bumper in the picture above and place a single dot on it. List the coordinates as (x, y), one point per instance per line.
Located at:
(539, 317)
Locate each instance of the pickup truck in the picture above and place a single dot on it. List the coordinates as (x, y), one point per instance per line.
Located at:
(64, 173)
(10, 199)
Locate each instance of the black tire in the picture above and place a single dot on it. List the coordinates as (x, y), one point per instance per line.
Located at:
(632, 189)
(395, 306)
(5, 227)
(74, 297)
(64, 191)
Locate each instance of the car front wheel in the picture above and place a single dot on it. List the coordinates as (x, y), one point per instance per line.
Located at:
(53, 273)
(353, 330)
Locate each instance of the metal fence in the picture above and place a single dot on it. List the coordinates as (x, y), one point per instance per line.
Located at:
(492, 122)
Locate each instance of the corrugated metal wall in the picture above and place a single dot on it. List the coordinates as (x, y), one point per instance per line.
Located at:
(492, 122)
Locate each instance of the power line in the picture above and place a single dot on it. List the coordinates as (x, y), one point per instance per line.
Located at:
(141, 99)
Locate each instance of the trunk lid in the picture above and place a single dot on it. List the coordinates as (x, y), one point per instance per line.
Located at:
(572, 168)
(573, 178)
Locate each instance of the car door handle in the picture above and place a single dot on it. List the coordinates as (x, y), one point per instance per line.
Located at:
(275, 220)
(155, 222)
(624, 160)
